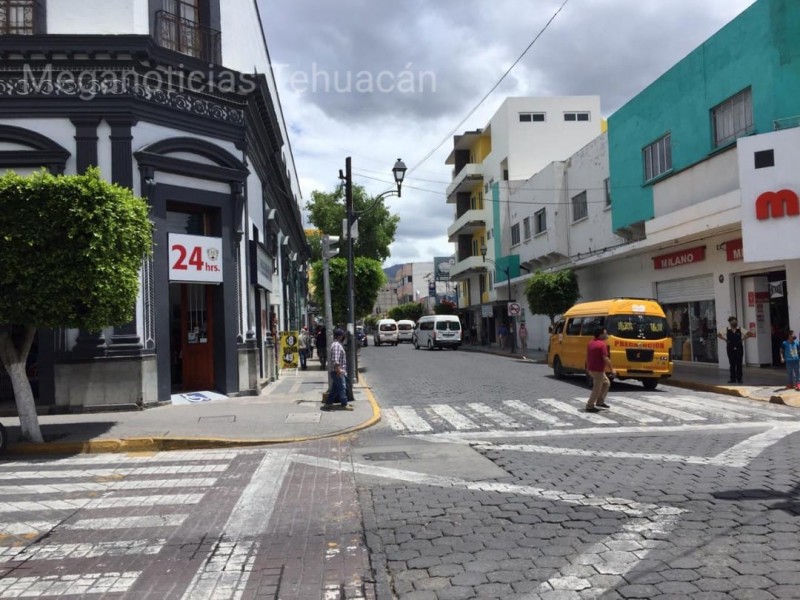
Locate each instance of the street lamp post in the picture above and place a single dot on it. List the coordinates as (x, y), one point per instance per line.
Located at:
(399, 172)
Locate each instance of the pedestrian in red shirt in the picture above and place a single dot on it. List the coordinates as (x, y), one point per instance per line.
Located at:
(597, 363)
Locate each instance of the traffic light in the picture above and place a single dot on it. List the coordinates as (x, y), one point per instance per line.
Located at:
(327, 242)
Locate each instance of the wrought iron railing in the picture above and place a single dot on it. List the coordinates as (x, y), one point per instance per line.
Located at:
(18, 17)
(188, 37)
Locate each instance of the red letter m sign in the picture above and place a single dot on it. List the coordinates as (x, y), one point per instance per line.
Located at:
(772, 204)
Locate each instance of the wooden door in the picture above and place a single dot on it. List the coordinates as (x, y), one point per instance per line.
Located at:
(197, 330)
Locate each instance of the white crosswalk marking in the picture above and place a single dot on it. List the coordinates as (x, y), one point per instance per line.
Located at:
(108, 502)
(632, 414)
(455, 418)
(63, 585)
(493, 415)
(537, 414)
(657, 407)
(81, 550)
(26, 528)
(726, 409)
(128, 522)
(119, 472)
(412, 421)
(575, 411)
(111, 485)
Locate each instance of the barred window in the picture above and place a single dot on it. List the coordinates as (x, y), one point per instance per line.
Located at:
(526, 228)
(515, 234)
(657, 158)
(541, 221)
(18, 17)
(732, 118)
(579, 208)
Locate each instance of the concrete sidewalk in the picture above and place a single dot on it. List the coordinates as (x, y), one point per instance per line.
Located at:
(288, 410)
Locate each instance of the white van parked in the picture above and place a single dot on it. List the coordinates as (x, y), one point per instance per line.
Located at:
(405, 330)
(437, 331)
(385, 332)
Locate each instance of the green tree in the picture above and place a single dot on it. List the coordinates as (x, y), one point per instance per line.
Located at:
(552, 294)
(411, 311)
(376, 225)
(368, 276)
(71, 249)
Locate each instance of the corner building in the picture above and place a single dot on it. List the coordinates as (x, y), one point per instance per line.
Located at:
(176, 100)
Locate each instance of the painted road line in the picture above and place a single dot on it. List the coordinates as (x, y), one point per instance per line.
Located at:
(634, 415)
(533, 448)
(111, 485)
(25, 528)
(535, 413)
(502, 419)
(729, 408)
(67, 585)
(574, 411)
(744, 452)
(81, 550)
(155, 521)
(88, 460)
(411, 420)
(455, 418)
(119, 472)
(656, 407)
(393, 420)
(97, 503)
(226, 571)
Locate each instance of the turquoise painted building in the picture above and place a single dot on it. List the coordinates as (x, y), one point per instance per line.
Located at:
(743, 80)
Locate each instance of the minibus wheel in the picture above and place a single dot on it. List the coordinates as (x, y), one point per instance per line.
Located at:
(3, 438)
(589, 380)
(650, 384)
(558, 371)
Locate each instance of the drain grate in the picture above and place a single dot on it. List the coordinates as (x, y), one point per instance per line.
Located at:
(387, 456)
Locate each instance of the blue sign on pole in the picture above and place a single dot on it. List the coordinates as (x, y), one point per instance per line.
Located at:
(432, 289)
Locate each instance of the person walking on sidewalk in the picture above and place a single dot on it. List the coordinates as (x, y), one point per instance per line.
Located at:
(597, 363)
(338, 363)
(791, 357)
(523, 340)
(734, 343)
(303, 343)
(502, 333)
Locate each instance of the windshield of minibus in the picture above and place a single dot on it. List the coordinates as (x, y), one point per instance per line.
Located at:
(637, 327)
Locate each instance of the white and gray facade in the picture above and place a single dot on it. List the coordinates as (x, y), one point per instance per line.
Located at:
(175, 99)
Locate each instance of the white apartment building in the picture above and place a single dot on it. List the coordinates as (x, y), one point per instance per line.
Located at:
(490, 164)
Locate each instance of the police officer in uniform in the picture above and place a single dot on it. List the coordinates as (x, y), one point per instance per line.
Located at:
(734, 342)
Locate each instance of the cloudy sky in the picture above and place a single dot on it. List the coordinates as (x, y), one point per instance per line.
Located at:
(377, 80)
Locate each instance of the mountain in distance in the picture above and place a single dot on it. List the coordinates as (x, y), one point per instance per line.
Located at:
(391, 271)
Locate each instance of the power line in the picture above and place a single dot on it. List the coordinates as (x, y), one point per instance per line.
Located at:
(490, 92)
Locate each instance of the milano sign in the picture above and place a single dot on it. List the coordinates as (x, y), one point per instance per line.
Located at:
(770, 183)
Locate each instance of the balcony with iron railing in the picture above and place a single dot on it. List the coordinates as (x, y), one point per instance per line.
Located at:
(188, 37)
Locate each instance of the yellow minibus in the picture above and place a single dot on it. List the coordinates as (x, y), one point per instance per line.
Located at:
(639, 342)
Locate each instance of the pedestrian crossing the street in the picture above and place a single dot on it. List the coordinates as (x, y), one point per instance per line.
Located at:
(544, 413)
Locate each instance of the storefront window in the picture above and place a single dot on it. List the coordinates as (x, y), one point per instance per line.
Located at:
(694, 330)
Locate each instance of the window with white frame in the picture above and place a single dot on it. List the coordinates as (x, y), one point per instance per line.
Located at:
(732, 118)
(531, 117)
(576, 116)
(526, 228)
(540, 221)
(515, 234)
(607, 187)
(579, 208)
(657, 157)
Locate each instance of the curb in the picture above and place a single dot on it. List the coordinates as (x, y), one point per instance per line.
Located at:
(165, 444)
